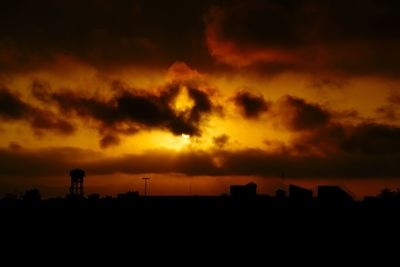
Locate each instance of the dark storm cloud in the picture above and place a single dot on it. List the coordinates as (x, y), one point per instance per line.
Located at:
(293, 113)
(371, 138)
(130, 110)
(109, 140)
(391, 110)
(251, 105)
(103, 33)
(221, 140)
(367, 139)
(43, 162)
(43, 121)
(14, 146)
(335, 150)
(327, 82)
(12, 108)
(57, 161)
(202, 103)
(301, 115)
(357, 37)
(388, 112)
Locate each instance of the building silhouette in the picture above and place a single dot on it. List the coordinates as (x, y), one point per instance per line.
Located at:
(94, 197)
(248, 190)
(333, 194)
(280, 193)
(32, 195)
(299, 193)
(76, 189)
(128, 196)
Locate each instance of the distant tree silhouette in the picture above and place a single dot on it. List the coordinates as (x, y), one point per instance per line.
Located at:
(386, 193)
(32, 195)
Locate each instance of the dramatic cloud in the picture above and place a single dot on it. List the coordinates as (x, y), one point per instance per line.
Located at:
(290, 112)
(372, 139)
(104, 34)
(251, 105)
(44, 162)
(358, 37)
(12, 108)
(227, 50)
(129, 111)
(362, 139)
(109, 140)
(306, 82)
(391, 110)
(221, 140)
(49, 162)
(14, 146)
(300, 115)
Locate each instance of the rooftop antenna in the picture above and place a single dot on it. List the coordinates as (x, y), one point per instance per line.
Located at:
(145, 185)
(190, 186)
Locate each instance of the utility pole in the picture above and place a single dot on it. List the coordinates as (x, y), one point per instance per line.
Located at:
(145, 185)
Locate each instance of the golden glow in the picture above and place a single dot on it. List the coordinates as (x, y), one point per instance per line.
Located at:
(185, 136)
(183, 102)
(242, 133)
(153, 140)
(170, 141)
(369, 93)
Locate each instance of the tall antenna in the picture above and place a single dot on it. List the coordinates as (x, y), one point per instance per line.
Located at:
(190, 186)
(145, 185)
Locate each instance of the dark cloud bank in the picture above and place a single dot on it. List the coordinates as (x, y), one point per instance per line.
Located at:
(103, 33)
(12, 109)
(129, 110)
(250, 105)
(354, 37)
(323, 148)
(53, 162)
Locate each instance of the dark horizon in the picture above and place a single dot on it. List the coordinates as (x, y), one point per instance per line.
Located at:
(78, 190)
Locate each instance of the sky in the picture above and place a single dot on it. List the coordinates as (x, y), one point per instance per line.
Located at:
(198, 95)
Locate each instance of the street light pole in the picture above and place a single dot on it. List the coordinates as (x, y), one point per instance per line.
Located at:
(145, 185)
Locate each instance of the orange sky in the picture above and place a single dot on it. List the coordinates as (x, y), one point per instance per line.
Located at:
(219, 94)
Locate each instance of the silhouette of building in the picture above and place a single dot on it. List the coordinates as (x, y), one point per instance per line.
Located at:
(94, 197)
(299, 193)
(333, 194)
(32, 195)
(128, 196)
(76, 189)
(248, 190)
(280, 193)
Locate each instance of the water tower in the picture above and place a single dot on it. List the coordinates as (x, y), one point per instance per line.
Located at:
(76, 188)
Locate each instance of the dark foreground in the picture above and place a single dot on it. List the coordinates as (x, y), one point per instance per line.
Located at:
(203, 226)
